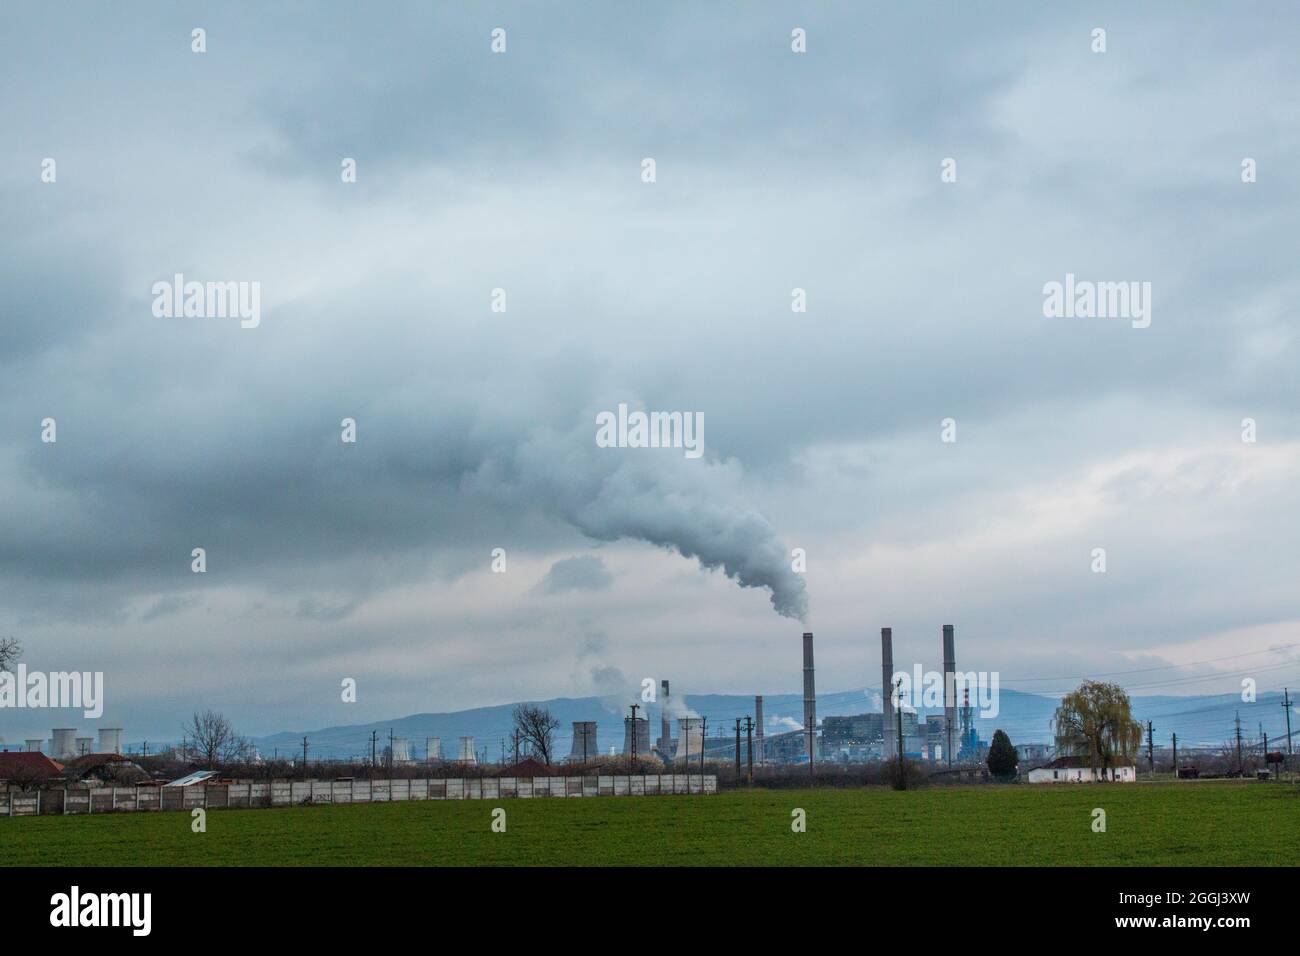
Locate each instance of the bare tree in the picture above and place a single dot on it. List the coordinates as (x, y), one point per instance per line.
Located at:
(10, 648)
(536, 727)
(214, 740)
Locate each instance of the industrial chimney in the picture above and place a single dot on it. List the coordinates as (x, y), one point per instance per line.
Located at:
(110, 740)
(809, 698)
(665, 727)
(61, 744)
(584, 741)
(758, 724)
(690, 739)
(887, 692)
(949, 691)
(638, 745)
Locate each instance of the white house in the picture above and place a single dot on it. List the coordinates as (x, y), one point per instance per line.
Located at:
(1078, 770)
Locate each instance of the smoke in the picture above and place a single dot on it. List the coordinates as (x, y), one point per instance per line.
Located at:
(696, 507)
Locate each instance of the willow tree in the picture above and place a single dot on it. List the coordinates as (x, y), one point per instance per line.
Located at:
(1096, 722)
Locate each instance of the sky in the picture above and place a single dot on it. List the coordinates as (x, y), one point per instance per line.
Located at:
(824, 431)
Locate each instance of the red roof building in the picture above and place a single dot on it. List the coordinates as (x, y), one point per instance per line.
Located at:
(28, 765)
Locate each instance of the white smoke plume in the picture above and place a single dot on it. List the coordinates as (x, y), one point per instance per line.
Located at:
(693, 506)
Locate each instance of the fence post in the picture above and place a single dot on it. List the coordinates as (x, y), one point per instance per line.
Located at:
(65, 800)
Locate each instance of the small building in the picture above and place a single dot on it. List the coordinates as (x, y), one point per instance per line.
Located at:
(1079, 770)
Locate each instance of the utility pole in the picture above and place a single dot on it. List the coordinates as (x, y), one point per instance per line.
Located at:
(684, 740)
(704, 729)
(516, 745)
(374, 745)
(1175, 756)
(737, 748)
(898, 707)
(1151, 753)
(1261, 730)
(304, 758)
(1286, 705)
(749, 747)
(1238, 743)
(635, 708)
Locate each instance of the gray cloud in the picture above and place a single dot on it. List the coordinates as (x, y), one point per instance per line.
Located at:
(585, 572)
(475, 428)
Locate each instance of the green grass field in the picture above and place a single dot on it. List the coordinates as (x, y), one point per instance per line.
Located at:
(1159, 824)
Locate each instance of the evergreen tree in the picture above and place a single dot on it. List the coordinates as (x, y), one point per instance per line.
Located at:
(1002, 756)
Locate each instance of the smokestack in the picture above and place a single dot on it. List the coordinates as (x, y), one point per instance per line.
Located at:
(758, 721)
(887, 691)
(110, 740)
(949, 690)
(584, 742)
(665, 727)
(809, 698)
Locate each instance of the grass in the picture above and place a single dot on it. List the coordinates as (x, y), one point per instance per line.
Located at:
(1198, 824)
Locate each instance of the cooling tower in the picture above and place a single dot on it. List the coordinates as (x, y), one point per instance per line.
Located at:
(888, 725)
(690, 738)
(63, 743)
(949, 692)
(467, 751)
(85, 745)
(432, 749)
(665, 744)
(110, 740)
(809, 697)
(32, 746)
(758, 729)
(401, 750)
(584, 741)
(642, 736)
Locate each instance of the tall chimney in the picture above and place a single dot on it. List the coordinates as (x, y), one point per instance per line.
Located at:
(949, 691)
(887, 690)
(809, 699)
(665, 728)
(758, 723)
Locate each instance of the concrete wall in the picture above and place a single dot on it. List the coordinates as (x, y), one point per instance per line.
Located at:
(302, 792)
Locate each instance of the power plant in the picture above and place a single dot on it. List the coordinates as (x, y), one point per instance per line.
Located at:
(467, 755)
(432, 749)
(33, 745)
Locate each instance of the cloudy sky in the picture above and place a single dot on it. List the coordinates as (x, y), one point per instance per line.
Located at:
(522, 171)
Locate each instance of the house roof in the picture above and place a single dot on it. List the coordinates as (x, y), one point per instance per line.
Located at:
(1080, 763)
(27, 762)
